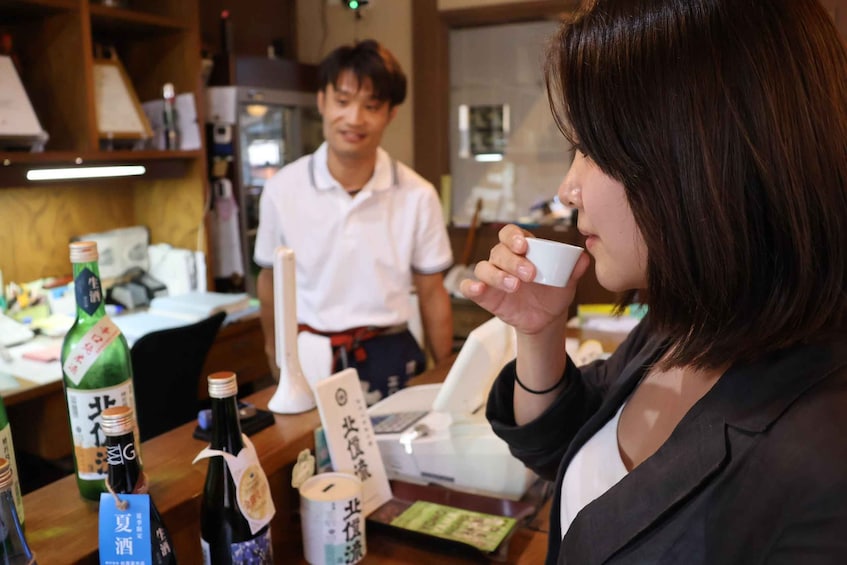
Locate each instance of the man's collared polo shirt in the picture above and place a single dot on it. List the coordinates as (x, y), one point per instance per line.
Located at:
(355, 256)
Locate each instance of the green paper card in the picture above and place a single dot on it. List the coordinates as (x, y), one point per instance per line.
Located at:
(483, 531)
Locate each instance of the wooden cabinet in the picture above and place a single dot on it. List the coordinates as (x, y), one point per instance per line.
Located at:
(157, 41)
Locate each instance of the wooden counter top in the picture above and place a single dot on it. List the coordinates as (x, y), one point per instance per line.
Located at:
(61, 527)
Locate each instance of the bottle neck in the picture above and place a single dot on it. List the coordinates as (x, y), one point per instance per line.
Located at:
(124, 467)
(90, 299)
(226, 429)
(4, 419)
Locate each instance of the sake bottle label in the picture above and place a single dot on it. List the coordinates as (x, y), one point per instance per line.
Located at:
(8, 453)
(257, 550)
(84, 409)
(251, 485)
(89, 295)
(89, 348)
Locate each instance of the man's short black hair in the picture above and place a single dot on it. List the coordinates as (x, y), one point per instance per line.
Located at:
(367, 59)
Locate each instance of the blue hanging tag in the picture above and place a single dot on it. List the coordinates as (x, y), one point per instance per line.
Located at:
(125, 534)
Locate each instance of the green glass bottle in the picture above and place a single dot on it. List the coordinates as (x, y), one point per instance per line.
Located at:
(126, 476)
(14, 549)
(97, 371)
(7, 451)
(226, 534)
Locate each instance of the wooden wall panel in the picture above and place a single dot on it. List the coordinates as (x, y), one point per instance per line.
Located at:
(173, 210)
(36, 224)
(255, 24)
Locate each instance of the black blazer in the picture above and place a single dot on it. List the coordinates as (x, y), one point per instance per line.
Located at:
(756, 472)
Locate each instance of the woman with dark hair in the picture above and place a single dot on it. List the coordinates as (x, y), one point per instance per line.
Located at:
(710, 175)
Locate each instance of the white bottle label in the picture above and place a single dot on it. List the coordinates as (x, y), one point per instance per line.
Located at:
(89, 348)
(84, 409)
(251, 484)
(7, 451)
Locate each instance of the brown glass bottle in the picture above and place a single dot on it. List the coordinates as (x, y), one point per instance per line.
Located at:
(127, 477)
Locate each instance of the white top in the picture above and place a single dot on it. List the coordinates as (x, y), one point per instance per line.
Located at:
(355, 256)
(595, 468)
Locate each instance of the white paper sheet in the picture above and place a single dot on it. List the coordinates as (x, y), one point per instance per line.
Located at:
(35, 371)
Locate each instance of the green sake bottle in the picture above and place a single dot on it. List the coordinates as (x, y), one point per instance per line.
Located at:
(97, 371)
(7, 452)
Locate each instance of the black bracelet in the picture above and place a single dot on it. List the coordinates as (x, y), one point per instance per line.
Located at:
(545, 391)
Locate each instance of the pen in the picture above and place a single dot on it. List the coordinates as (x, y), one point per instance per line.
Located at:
(4, 353)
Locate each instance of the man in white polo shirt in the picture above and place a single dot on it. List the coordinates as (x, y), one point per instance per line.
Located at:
(364, 229)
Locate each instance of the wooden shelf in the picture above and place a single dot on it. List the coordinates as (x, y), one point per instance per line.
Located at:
(159, 164)
(34, 8)
(157, 42)
(71, 158)
(109, 20)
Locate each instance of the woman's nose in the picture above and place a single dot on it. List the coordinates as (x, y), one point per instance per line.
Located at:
(570, 192)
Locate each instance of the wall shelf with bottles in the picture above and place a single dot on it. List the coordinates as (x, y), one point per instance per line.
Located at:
(53, 47)
(53, 44)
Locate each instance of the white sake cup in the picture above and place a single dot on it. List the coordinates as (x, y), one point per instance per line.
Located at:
(554, 261)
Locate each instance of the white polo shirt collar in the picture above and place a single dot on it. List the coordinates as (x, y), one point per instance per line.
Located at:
(384, 177)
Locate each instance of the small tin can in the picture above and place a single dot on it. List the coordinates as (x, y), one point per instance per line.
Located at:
(332, 519)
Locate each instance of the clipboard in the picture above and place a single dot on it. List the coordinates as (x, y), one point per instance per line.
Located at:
(119, 113)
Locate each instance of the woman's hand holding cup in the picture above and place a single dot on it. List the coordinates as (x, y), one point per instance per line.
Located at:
(506, 287)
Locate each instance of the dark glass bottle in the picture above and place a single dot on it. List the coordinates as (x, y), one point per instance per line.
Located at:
(97, 371)
(13, 547)
(126, 476)
(7, 451)
(226, 534)
(169, 117)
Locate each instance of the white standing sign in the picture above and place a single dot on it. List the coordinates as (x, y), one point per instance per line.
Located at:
(350, 436)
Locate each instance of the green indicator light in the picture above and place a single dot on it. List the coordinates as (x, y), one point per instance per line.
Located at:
(354, 5)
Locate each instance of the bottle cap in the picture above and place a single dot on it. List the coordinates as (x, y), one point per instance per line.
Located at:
(223, 385)
(5, 474)
(117, 421)
(83, 251)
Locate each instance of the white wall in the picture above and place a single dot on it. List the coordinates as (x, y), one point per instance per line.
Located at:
(322, 27)
(496, 65)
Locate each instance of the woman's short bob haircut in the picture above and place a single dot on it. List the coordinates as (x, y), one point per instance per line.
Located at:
(726, 122)
(366, 59)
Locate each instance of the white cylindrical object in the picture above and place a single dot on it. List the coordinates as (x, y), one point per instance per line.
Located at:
(554, 261)
(293, 395)
(332, 519)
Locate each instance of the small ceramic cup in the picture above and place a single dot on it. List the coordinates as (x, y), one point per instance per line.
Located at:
(554, 261)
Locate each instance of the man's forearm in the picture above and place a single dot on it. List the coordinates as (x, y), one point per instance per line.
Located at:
(437, 320)
(265, 290)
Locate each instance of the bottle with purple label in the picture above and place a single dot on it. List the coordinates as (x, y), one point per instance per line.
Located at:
(237, 506)
(14, 549)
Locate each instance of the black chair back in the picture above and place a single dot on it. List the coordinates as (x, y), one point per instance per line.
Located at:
(166, 367)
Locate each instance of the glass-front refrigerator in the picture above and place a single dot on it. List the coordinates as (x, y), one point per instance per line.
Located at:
(256, 132)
